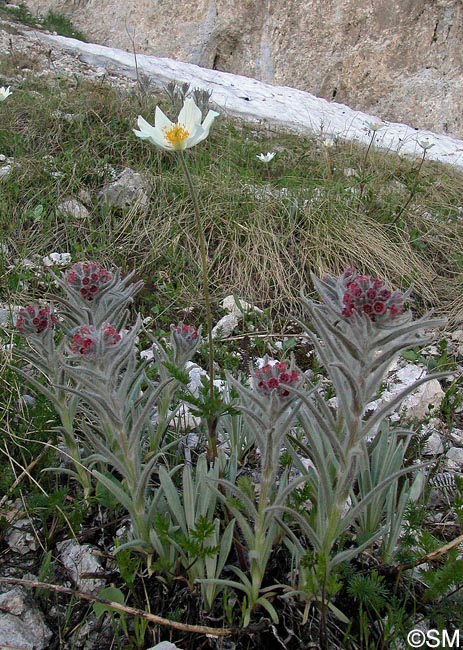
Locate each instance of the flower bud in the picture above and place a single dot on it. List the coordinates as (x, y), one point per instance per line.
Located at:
(184, 340)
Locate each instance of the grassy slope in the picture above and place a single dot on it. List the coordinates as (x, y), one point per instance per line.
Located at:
(262, 248)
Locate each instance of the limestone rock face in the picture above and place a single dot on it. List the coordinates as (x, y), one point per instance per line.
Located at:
(398, 59)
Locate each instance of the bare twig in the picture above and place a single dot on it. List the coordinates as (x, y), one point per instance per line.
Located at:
(434, 555)
(132, 611)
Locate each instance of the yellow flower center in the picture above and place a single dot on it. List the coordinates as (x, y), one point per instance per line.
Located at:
(176, 135)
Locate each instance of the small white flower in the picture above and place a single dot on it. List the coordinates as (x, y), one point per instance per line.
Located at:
(4, 93)
(58, 259)
(328, 143)
(426, 142)
(266, 157)
(180, 135)
(374, 125)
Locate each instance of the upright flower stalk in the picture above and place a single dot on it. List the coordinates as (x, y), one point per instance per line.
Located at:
(203, 252)
(425, 143)
(188, 131)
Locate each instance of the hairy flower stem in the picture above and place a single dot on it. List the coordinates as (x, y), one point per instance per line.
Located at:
(212, 421)
(72, 445)
(261, 525)
(412, 192)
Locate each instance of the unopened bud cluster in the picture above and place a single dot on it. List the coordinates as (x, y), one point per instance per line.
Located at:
(34, 320)
(87, 279)
(184, 340)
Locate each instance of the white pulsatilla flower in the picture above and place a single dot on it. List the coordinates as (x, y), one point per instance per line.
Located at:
(425, 142)
(374, 125)
(328, 143)
(4, 93)
(187, 131)
(266, 157)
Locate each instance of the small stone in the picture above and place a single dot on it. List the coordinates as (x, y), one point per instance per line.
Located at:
(454, 458)
(78, 560)
(22, 539)
(238, 306)
(457, 336)
(225, 327)
(73, 208)
(128, 189)
(5, 171)
(21, 623)
(425, 400)
(12, 602)
(434, 445)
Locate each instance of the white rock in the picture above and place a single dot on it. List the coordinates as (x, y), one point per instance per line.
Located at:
(457, 336)
(5, 171)
(73, 208)
(457, 436)
(22, 538)
(434, 445)
(128, 189)
(254, 101)
(195, 372)
(184, 420)
(238, 306)
(425, 400)
(80, 559)
(57, 259)
(454, 458)
(22, 625)
(225, 327)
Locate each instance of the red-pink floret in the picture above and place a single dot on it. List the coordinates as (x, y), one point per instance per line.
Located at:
(275, 377)
(87, 278)
(32, 320)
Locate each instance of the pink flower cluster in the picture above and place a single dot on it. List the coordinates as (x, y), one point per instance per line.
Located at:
(275, 377)
(370, 296)
(32, 320)
(187, 332)
(87, 278)
(88, 341)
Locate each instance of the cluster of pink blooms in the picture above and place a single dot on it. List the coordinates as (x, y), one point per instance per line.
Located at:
(32, 320)
(87, 278)
(275, 377)
(370, 296)
(87, 340)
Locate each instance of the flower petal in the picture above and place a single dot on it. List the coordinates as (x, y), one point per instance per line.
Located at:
(161, 121)
(190, 115)
(152, 133)
(195, 137)
(205, 127)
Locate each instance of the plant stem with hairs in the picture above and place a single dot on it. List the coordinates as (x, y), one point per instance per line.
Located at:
(211, 420)
(412, 191)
